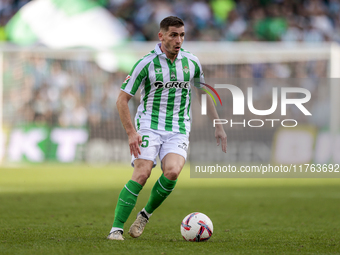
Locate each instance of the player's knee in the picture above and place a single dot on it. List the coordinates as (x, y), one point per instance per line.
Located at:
(171, 176)
(172, 172)
(142, 177)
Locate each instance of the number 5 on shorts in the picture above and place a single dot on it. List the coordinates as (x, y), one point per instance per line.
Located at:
(145, 142)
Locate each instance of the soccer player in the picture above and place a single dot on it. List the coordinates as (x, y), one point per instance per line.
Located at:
(162, 122)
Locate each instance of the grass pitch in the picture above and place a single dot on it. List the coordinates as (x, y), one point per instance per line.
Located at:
(58, 209)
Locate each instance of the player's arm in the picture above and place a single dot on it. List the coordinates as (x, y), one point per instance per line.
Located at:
(124, 113)
(212, 113)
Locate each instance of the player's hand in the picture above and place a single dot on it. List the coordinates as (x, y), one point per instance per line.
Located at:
(221, 135)
(135, 141)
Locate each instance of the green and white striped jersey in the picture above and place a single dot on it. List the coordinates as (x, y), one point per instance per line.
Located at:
(165, 90)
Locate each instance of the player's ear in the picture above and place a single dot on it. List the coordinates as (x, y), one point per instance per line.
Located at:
(160, 35)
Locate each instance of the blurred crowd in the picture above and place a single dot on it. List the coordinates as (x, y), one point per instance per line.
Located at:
(221, 20)
(66, 93)
(229, 20)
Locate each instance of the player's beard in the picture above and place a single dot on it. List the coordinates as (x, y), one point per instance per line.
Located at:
(171, 48)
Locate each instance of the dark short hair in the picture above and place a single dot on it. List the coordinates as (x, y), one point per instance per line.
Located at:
(171, 21)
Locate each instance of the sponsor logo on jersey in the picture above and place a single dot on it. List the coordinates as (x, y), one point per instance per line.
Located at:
(172, 84)
(127, 79)
(158, 70)
(183, 146)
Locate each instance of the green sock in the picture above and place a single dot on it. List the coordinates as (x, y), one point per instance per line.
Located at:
(159, 193)
(126, 202)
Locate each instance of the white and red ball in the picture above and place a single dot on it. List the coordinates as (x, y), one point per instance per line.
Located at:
(196, 227)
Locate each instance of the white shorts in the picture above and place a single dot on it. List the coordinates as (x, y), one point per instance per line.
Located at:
(158, 142)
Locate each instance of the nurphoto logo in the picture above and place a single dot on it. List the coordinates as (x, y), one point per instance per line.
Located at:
(239, 104)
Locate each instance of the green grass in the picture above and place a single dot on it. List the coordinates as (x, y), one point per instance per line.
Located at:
(58, 209)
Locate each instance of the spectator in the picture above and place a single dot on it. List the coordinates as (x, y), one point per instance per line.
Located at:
(235, 27)
(221, 9)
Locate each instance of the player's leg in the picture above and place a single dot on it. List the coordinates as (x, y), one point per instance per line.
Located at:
(172, 165)
(128, 196)
(173, 155)
(142, 169)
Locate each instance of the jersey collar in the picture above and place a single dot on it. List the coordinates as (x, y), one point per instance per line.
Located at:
(160, 53)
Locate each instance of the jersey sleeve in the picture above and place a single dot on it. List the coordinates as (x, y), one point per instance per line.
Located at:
(135, 78)
(199, 75)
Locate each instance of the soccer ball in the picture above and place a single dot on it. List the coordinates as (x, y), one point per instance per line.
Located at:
(196, 227)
